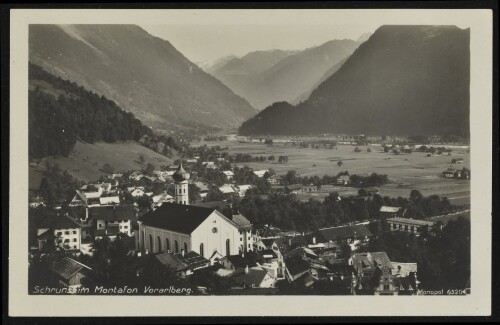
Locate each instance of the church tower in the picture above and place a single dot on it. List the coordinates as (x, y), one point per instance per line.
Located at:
(181, 185)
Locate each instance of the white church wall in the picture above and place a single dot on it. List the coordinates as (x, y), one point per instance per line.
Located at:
(163, 234)
(216, 240)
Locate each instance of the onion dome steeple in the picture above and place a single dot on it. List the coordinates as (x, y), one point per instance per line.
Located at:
(181, 174)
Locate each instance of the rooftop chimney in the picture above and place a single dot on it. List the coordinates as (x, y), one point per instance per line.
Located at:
(314, 240)
(247, 269)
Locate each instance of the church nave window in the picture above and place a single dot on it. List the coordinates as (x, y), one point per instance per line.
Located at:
(176, 246)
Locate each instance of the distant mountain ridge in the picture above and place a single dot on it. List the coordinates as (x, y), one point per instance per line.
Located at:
(142, 73)
(264, 77)
(406, 80)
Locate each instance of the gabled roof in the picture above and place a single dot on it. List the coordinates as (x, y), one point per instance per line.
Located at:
(177, 217)
(253, 277)
(371, 260)
(68, 267)
(190, 260)
(116, 212)
(248, 259)
(344, 232)
(58, 222)
(296, 265)
(241, 221)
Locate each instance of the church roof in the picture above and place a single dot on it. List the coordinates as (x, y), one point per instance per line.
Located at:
(177, 217)
(180, 174)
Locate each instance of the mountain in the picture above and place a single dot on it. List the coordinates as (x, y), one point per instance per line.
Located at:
(60, 113)
(268, 76)
(404, 80)
(143, 74)
(211, 65)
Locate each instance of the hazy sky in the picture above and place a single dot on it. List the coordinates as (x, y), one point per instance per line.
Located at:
(207, 42)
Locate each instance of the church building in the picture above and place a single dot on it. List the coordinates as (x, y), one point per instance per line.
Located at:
(180, 228)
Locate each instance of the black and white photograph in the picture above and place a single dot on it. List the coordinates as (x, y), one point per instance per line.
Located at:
(253, 154)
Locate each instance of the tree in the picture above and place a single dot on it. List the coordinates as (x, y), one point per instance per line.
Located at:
(107, 168)
(369, 149)
(340, 163)
(150, 168)
(141, 159)
(357, 149)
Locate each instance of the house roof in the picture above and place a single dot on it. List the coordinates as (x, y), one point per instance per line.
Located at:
(201, 186)
(268, 253)
(260, 173)
(411, 221)
(385, 208)
(253, 277)
(296, 265)
(241, 221)
(294, 187)
(241, 261)
(111, 230)
(68, 267)
(344, 232)
(227, 188)
(58, 222)
(177, 217)
(116, 212)
(109, 199)
(228, 173)
(190, 260)
(372, 260)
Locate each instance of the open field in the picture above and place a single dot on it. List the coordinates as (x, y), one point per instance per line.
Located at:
(86, 161)
(406, 171)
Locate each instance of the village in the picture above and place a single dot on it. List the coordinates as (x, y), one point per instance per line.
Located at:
(192, 224)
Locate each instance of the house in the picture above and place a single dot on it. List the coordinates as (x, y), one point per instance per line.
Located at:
(245, 231)
(109, 221)
(457, 161)
(135, 175)
(238, 262)
(92, 191)
(208, 164)
(343, 180)
(366, 263)
(181, 226)
(227, 189)
(36, 202)
(109, 200)
(63, 231)
(371, 190)
(138, 191)
(294, 188)
(161, 198)
(449, 173)
(253, 278)
(69, 273)
(391, 212)
(184, 264)
(353, 235)
(413, 226)
(295, 268)
(242, 189)
(191, 161)
(228, 174)
(275, 180)
(260, 173)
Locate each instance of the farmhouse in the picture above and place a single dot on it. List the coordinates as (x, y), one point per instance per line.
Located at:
(275, 180)
(62, 231)
(343, 180)
(69, 273)
(109, 221)
(253, 278)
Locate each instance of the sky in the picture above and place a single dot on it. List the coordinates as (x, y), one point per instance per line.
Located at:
(205, 35)
(201, 43)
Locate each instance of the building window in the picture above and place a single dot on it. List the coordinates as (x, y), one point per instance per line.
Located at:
(176, 247)
(185, 247)
(151, 242)
(202, 251)
(74, 239)
(228, 247)
(74, 232)
(66, 232)
(159, 243)
(167, 244)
